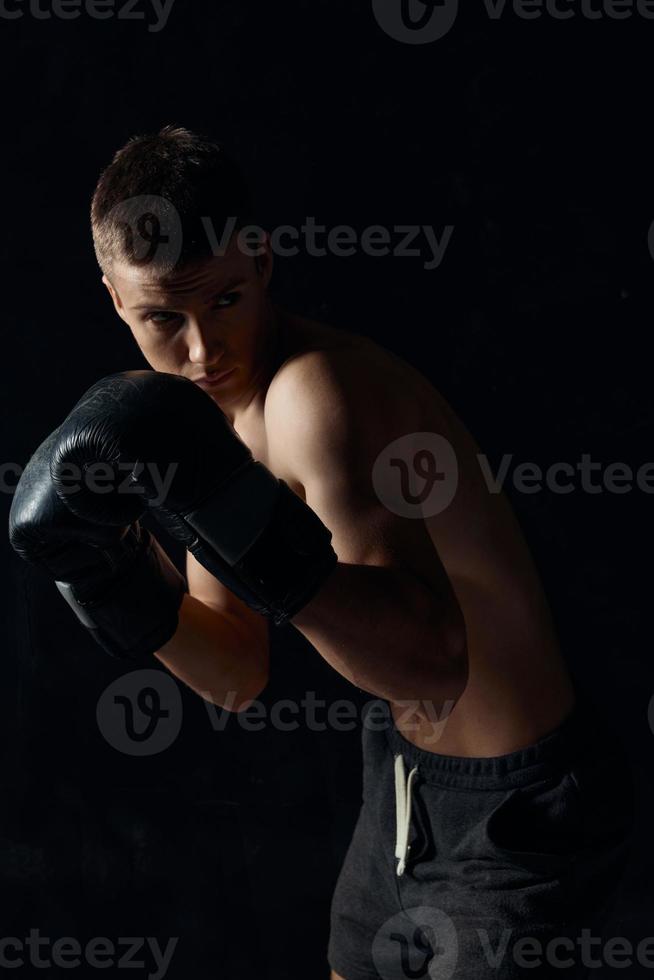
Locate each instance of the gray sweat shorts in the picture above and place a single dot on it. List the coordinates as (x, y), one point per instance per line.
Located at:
(471, 868)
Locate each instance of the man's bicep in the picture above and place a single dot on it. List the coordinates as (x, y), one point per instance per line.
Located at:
(366, 532)
(329, 419)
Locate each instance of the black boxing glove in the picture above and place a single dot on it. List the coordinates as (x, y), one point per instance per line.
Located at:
(241, 523)
(118, 579)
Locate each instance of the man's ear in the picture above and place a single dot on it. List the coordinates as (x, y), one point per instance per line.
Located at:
(118, 306)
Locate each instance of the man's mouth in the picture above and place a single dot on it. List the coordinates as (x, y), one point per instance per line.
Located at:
(213, 379)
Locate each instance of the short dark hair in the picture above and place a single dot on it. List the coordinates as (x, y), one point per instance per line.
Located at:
(172, 179)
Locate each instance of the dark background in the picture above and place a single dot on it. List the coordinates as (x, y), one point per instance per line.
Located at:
(533, 139)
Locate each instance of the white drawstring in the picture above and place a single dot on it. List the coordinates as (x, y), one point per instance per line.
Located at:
(402, 812)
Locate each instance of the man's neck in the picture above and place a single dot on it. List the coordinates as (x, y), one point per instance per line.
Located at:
(250, 401)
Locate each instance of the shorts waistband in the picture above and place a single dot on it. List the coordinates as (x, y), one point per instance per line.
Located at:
(583, 732)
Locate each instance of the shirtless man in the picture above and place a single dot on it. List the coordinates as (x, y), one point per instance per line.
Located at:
(444, 614)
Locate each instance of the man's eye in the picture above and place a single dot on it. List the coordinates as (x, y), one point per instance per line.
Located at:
(161, 317)
(229, 299)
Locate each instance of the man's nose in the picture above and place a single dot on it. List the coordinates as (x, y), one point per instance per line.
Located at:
(204, 343)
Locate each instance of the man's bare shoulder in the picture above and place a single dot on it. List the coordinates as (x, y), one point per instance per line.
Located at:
(332, 409)
(335, 377)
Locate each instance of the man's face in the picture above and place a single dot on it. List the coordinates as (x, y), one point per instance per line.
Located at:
(206, 320)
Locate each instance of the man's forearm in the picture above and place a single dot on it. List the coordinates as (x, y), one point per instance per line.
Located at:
(215, 655)
(388, 634)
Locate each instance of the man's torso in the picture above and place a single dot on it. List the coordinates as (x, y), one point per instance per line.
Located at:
(519, 688)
